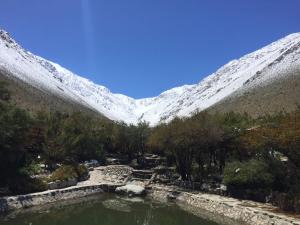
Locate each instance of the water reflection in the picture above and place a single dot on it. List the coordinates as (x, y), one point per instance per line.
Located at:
(107, 210)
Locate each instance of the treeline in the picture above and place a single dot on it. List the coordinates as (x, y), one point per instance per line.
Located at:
(53, 138)
(255, 158)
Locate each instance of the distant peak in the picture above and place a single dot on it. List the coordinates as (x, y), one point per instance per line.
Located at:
(293, 35)
(6, 37)
(235, 76)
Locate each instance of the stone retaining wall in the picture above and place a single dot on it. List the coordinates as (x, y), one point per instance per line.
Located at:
(41, 198)
(62, 184)
(224, 210)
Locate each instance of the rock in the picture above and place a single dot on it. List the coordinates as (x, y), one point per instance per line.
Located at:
(134, 163)
(52, 185)
(161, 169)
(171, 197)
(206, 187)
(223, 187)
(148, 161)
(92, 163)
(131, 190)
(222, 190)
(62, 184)
(112, 161)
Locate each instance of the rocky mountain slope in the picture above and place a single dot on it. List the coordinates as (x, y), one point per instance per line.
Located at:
(259, 74)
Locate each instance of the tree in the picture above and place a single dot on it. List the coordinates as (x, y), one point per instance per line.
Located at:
(80, 139)
(15, 131)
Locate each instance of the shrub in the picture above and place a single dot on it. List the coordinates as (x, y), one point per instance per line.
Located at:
(67, 172)
(64, 172)
(82, 171)
(250, 180)
(250, 174)
(32, 169)
(287, 201)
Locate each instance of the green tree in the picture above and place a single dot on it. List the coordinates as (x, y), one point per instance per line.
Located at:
(16, 150)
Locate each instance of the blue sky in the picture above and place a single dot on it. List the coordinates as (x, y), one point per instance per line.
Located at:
(143, 47)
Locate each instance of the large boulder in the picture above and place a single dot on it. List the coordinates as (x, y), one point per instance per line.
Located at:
(131, 190)
(92, 163)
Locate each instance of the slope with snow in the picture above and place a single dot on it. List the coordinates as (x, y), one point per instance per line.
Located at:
(234, 77)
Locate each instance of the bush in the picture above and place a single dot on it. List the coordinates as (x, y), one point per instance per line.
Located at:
(65, 172)
(82, 172)
(250, 180)
(32, 169)
(250, 174)
(287, 201)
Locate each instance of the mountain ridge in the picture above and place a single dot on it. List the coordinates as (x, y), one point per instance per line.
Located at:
(237, 76)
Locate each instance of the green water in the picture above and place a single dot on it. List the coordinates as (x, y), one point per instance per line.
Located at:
(106, 210)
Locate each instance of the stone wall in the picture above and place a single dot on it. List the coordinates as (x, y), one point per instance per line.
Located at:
(224, 210)
(41, 198)
(62, 184)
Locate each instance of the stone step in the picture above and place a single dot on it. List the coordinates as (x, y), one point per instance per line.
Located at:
(146, 177)
(144, 174)
(143, 171)
(139, 179)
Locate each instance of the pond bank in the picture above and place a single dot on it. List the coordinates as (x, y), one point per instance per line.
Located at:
(41, 198)
(98, 182)
(223, 210)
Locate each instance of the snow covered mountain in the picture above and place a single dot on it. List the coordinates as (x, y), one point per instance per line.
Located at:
(237, 76)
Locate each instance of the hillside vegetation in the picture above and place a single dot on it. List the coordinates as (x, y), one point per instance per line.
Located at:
(34, 100)
(270, 98)
(256, 158)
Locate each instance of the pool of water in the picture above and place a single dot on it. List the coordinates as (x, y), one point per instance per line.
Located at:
(105, 210)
